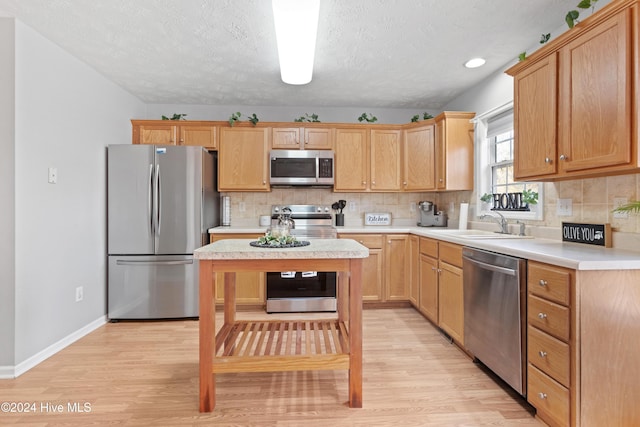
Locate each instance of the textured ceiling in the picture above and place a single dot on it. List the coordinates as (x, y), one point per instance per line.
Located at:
(374, 53)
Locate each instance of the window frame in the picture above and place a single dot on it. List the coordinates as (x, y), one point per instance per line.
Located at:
(484, 166)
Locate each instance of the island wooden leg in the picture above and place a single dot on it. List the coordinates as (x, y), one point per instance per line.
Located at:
(355, 334)
(229, 298)
(207, 330)
(343, 296)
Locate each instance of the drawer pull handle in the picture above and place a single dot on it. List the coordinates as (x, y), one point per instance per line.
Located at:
(542, 353)
(542, 316)
(542, 395)
(542, 282)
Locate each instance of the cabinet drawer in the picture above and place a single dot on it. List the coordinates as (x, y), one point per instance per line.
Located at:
(549, 397)
(549, 317)
(549, 354)
(429, 247)
(549, 282)
(371, 241)
(213, 237)
(450, 253)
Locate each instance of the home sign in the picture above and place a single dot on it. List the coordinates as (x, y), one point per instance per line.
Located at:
(509, 202)
(589, 234)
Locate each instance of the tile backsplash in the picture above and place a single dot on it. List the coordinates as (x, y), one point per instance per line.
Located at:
(592, 200)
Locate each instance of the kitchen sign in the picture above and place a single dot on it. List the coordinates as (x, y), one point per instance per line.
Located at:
(589, 234)
(377, 218)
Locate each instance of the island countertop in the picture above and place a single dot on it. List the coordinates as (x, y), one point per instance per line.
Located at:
(317, 249)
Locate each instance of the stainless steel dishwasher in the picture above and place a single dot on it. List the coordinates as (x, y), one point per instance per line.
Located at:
(495, 313)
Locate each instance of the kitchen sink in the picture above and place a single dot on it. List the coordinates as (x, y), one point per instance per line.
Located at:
(478, 234)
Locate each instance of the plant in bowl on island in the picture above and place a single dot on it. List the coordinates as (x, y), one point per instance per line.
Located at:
(276, 238)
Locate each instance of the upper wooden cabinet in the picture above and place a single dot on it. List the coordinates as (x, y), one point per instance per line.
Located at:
(242, 159)
(454, 151)
(419, 159)
(575, 100)
(170, 132)
(368, 159)
(302, 138)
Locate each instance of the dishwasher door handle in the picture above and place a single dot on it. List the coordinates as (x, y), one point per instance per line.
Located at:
(490, 267)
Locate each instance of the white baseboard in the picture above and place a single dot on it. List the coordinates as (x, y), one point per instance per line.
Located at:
(7, 372)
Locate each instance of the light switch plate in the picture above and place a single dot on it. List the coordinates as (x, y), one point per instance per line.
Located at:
(53, 176)
(564, 207)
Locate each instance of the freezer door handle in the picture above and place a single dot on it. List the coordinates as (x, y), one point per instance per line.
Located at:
(179, 262)
(490, 267)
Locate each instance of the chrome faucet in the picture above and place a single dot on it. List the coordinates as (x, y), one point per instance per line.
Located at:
(502, 222)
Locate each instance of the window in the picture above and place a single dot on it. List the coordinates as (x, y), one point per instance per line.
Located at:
(494, 138)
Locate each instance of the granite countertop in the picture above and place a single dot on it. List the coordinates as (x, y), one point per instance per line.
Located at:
(318, 249)
(551, 251)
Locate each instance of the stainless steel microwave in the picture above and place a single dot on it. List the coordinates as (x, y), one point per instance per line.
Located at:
(301, 167)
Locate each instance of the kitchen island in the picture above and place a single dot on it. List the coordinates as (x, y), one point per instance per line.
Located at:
(278, 345)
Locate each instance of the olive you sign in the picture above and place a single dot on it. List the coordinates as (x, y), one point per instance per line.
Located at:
(589, 234)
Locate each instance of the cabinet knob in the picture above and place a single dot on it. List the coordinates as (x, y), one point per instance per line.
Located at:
(542, 353)
(563, 157)
(542, 282)
(542, 316)
(373, 183)
(542, 395)
(440, 180)
(264, 182)
(547, 160)
(181, 140)
(404, 183)
(364, 182)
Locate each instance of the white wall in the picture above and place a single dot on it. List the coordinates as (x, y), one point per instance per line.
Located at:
(7, 193)
(66, 114)
(283, 114)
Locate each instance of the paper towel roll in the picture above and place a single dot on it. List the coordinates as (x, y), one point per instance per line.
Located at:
(464, 213)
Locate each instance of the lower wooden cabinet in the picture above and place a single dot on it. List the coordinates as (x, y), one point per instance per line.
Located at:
(250, 286)
(414, 270)
(450, 291)
(385, 272)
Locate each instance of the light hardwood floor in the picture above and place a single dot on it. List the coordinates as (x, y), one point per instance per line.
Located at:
(146, 373)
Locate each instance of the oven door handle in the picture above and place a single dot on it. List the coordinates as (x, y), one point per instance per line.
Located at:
(490, 267)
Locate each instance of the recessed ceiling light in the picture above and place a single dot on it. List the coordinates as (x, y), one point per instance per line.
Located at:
(475, 63)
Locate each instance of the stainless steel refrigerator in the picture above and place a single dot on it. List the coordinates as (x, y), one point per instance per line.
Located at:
(161, 201)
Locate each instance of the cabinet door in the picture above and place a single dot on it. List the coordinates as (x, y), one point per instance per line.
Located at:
(155, 134)
(250, 285)
(285, 138)
(396, 268)
(372, 276)
(414, 270)
(595, 97)
(454, 151)
(385, 160)
(419, 159)
(202, 136)
(534, 120)
(429, 287)
(318, 139)
(351, 160)
(451, 301)
(242, 159)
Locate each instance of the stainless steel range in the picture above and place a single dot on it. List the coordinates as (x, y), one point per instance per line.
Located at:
(303, 291)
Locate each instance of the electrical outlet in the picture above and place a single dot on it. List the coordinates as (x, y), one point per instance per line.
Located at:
(242, 207)
(564, 207)
(617, 202)
(352, 206)
(53, 176)
(79, 294)
(412, 206)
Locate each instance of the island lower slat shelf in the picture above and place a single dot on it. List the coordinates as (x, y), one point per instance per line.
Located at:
(268, 346)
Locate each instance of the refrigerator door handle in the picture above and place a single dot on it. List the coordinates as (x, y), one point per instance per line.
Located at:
(150, 200)
(158, 184)
(182, 262)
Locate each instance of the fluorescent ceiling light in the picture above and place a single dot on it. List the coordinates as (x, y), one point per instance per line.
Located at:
(296, 24)
(475, 63)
